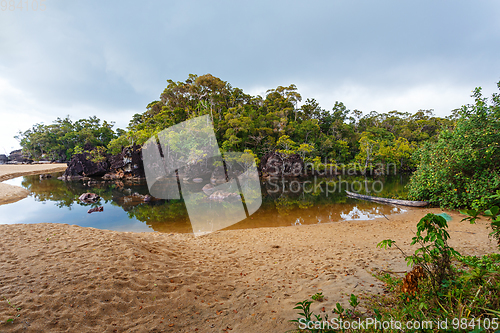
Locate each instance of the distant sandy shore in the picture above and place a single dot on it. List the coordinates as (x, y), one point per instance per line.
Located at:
(9, 193)
(67, 278)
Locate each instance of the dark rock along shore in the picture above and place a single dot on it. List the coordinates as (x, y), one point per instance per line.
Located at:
(129, 164)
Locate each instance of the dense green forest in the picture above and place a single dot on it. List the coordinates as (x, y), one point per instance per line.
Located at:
(276, 122)
(259, 124)
(64, 138)
(456, 157)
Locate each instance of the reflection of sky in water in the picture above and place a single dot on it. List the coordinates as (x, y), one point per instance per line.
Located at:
(298, 221)
(15, 181)
(30, 211)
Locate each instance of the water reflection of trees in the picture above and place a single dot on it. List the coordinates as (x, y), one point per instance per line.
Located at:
(283, 200)
(161, 215)
(288, 195)
(51, 189)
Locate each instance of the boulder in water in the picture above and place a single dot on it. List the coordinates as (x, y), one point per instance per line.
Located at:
(208, 189)
(89, 197)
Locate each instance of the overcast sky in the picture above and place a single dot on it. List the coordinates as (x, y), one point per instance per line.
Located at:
(111, 59)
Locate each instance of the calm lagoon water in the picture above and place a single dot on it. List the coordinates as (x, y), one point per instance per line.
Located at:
(284, 203)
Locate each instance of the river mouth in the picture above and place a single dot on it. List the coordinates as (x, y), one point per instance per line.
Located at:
(285, 202)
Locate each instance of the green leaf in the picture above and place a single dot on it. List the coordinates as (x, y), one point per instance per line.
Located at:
(491, 311)
(470, 212)
(385, 243)
(493, 211)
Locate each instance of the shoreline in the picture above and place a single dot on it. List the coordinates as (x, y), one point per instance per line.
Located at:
(71, 278)
(11, 193)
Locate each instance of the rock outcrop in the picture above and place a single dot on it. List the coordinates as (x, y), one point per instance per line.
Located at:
(81, 165)
(17, 156)
(127, 164)
(275, 164)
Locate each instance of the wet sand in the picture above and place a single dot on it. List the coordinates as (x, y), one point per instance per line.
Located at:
(66, 278)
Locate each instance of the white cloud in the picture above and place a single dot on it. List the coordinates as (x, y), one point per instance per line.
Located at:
(19, 111)
(440, 97)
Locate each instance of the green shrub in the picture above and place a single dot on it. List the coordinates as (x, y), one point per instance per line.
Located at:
(464, 164)
(434, 254)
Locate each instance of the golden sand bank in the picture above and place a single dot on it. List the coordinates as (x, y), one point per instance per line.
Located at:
(9, 193)
(66, 278)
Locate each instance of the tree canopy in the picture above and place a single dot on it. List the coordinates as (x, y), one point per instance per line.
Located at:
(245, 122)
(63, 138)
(259, 124)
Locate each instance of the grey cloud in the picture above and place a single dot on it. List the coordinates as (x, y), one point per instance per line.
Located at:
(115, 56)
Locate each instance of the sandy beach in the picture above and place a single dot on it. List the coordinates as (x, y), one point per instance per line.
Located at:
(9, 193)
(66, 278)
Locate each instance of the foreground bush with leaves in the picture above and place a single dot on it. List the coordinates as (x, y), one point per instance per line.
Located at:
(445, 291)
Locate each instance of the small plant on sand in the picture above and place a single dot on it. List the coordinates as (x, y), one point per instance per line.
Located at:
(434, 254)
(15, 308)
(353, 302)
(315, 323)
(443, 284)
(318, 297)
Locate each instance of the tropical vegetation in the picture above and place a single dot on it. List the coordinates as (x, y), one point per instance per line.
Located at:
(259, 124)
(462, 168)
(64, 138)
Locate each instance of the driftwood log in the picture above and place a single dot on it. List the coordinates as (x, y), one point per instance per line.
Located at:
(387, 201)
